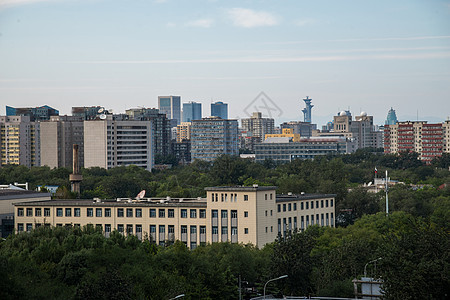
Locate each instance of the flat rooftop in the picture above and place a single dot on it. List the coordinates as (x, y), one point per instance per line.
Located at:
(289, 197)
(148, 202)
(8, 194)
(239, 188)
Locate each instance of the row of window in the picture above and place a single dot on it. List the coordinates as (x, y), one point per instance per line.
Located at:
(305, 205)
(322, 220)
(106, 212)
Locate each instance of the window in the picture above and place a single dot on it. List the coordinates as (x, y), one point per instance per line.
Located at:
(326, 203)
(183, 229)
(202, 229)
(224, 230)
(152, 228)
(245, 214)
(171, 213)
(120, 212)
(98, 212)
(129, 229)
(193, 229)
(138, 228)
(271, 196)
(301, 205)
(279, 226)
(317, 204)
(321, 203)
(271, 228)
(245, 230)
(20, 226)
(245, 197)
(224, 214)
(184, 213)
(46, 212)
(162, 213)
(234, 214)
(271, 212)
(29, 227)
(279, 207)
(214, 213)
(138, 212)
(20, 214)
(171, 229)
(97, 227)
(90, 212)
(29, 212)
(129, 213)
(215, 230)
(307, 205)
(289, 207)
(331, 202)
(108, 212)
(59, 212)
(77, 212)
(266, 229)
(37, 212)
(266, 213)
(68, 212)
(284, 207)
(202, 213)
(152, 213)
(107, 227)
(295, 206)
(312, 205)
(120, 228)
(193, 213)
(265, 196)
(193, 245)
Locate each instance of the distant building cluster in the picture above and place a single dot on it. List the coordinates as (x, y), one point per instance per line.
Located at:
(39, 136)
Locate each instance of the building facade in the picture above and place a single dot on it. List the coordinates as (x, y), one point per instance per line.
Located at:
(192, 111)
(254, 215)
(258, 126)
(219, 109)
(391, 118)
(109, 143)
(184, 132)
(171, 107)
(59, 134)
(39, 113)
(284, 150)
(19, 141)
(304, 129)
(212, 137)
(428, 140)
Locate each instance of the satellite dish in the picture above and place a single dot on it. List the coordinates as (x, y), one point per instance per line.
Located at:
(370, 183)
(101, 110)
(141, 194)
(110, 110)
(103, 117)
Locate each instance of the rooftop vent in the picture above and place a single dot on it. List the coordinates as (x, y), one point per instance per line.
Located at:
(302, 193)
(255, 185)
(98, 200)
(290, 194)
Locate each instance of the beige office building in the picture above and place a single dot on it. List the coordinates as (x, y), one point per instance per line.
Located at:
(228, 214)
(19, 141)
(184, 132)
(109, 143)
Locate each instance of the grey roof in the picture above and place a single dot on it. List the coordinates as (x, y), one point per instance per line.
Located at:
(8, 194)
(238, 188)
(150, 202)
(285, 198)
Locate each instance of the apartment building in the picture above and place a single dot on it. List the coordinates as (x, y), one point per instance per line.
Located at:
(19, 141)
(258, 126)
(184, 132)
(428, 140)
(212, 137)
(253, 214)
(59, 134)
(109, 143)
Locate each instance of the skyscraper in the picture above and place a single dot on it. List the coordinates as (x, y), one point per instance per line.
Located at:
(391, 117)
(307, 110)
(171, 106)
(219, 109)
(192, 111)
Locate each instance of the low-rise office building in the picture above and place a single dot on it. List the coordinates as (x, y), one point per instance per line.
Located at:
(253, 214)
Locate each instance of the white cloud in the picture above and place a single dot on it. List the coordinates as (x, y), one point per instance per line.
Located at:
(205, 23)
(243, 17)
(304, 22)
(6, 3)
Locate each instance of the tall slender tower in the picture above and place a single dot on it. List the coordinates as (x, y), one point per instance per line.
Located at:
(75, 178)
(307, 110)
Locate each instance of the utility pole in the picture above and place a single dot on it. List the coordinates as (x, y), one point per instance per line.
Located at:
(387, 201)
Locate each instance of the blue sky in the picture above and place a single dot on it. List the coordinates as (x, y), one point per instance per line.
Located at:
(362, 55)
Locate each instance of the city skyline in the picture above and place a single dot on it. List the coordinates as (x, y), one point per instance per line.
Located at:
(363, 56)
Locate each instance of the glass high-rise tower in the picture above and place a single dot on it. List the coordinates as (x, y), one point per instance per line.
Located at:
(219, 109)
(171, 106)
(192, 111)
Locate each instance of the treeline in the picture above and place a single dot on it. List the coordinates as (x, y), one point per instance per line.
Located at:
(74, 263)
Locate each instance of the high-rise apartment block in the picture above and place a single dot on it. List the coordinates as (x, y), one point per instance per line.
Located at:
(252, 214)
(219, 109)
(258, 126)
(184, 132)
(58, 135)
(428, 140)
(109, 143)
(20, 141)
(212, 137)
(192, 111)
(171, 106)
(39, 113)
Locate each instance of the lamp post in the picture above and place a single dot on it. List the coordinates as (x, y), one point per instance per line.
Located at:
(177, 297)
(365, 267)
(281, 277)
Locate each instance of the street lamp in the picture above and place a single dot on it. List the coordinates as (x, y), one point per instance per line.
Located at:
(281, 277)
(177, 297)
(365, 267)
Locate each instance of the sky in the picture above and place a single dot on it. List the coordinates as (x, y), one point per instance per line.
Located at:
(254, 55)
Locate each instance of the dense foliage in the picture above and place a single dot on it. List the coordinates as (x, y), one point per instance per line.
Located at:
(413, 242)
